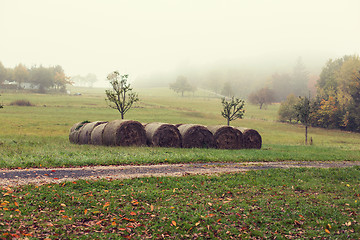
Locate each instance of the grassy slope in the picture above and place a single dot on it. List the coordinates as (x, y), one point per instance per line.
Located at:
(34, 136)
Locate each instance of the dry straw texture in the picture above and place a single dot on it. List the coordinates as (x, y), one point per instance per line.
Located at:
(196, 136)
(226, 137)
(251, 138)
(75, 131)
(162, 135)
(124, 133)
(85, 133)
(96, 137)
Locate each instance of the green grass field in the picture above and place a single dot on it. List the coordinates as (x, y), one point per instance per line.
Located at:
(275, 203)
(38, 136)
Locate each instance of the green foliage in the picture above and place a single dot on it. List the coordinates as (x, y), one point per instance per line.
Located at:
(287, 111)
(232, 109)
(276, 203)
(121, 96)
(182, 85)
(303, 113)
(262, 97)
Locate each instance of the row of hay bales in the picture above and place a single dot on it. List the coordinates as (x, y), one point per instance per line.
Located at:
(133, 133)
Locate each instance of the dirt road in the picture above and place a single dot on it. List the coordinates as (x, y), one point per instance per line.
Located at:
(56, 175)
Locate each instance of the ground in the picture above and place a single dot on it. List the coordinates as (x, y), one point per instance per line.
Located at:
(39, 176)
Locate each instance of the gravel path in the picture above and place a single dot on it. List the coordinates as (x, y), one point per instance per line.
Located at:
(56, 175)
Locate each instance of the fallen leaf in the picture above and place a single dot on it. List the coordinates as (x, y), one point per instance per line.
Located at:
(85, 211)
(173, 223)
(133, 213)
(327, 230)
(348, 224)
(151, 207)
(196, 224)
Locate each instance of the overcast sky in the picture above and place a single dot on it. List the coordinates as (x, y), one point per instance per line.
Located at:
(141, 37)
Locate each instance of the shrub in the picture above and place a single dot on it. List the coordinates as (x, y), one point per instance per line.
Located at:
(21, 102)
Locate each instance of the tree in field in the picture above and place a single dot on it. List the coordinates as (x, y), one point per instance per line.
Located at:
(227, 89)
(3, 73)
(21, 74)
(287, 111)
(181, 85)
(43, 77)
(262, 97)
(303, 112)
(120, 97)
(233, 109)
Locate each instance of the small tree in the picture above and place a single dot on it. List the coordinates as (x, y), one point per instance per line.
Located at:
(303, 112)
(181, 85)
(287, 111)
(233, 109)
(121, 96)
(262, 97)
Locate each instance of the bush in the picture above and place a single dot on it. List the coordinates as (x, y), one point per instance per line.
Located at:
(21, 102)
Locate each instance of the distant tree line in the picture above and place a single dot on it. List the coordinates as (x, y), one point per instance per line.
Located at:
(337, 100)
(38, 78)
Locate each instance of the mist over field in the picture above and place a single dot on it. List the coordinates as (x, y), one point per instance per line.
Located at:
(156, 41)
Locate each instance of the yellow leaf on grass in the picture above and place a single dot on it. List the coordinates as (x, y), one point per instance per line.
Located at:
(16, 204)
(196, 224)
(132, 213)
(173, 223)
(106, 204)
(63, 205)
(329, 226)
(113, 223)
(85, 211)
(151, 207)
(327, 230)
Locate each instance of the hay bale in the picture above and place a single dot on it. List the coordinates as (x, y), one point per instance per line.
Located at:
(178, 125)
(96, 136)
(196, 136)
(162, 135)
(85, 133)
(124, 133)
(226, 137)
(75, 131)
(251, 138)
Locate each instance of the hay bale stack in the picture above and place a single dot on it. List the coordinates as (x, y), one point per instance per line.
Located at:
(162, 135)
(251, 138)
(124, 133)
(75, 131)
(96, 136)
(226, 137)
(196, 136)
(85, 133)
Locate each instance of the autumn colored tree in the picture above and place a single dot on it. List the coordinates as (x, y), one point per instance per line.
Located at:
(232, 109)
(120, 97)
(262, 97)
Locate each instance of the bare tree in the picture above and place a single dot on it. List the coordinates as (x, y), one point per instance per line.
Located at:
(233, 109)
(121, 96)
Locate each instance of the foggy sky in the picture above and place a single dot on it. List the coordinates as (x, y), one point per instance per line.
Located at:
(142, 37)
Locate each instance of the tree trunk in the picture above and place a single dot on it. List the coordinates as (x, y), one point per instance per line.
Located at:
(306, 133)
(122, 115)
(228, 122)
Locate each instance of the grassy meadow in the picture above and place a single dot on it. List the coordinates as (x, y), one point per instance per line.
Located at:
(275, 203)
(38, 135)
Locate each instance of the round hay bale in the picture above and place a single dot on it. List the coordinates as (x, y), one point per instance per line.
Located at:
(96, 136)
(124, 133)
(196, 136)
(226, 137)
(85, 133)
(251, 138)
(162, 135)
(178, 125)
(75, 131)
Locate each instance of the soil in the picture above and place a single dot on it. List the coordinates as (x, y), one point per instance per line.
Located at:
(38, 176)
